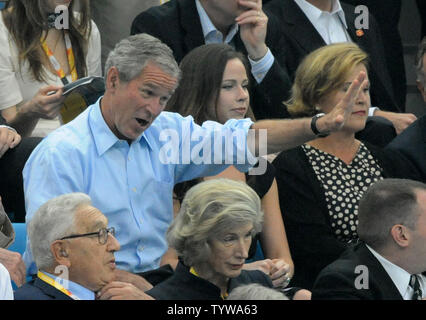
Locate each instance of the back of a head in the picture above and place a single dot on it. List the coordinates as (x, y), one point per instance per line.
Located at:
(386, 203)
(256, 291)
(320, 73)
(133, 53)
(202, 73)
(209, 208)
(52, 221)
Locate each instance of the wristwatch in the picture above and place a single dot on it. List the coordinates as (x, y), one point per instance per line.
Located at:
(314, 126)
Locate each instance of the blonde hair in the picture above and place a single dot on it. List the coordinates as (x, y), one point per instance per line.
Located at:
(320, 73)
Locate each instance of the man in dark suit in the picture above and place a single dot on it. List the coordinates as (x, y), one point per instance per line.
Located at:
(302, 34)
(186, 24)
(414, 136)
(388, 263)
(69, 237)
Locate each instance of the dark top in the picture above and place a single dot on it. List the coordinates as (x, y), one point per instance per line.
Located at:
(412, 144)
(39, 290)
(178, 25)
(312, 241)
(299, 38)
(344, 185)
(339, 280)
(183, 285)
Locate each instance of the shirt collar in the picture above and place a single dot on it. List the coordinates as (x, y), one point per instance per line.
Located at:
(76, 289)
(209, 28)
(399, 276)
(102, 135)
(313, 13)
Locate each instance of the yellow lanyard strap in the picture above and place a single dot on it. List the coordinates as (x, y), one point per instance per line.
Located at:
(71, 59)
(55, 284)
(192, 270)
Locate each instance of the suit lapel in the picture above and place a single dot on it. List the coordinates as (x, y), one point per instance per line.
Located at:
(50, 291)
(191, 25)
(376, 271)
(296, 23)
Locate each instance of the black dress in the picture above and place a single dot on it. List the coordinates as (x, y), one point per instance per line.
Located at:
(183, 285)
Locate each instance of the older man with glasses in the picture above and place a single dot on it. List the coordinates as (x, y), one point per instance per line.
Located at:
(73, 250)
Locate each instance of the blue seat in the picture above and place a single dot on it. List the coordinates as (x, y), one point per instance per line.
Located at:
(258, 255)
(20, 242)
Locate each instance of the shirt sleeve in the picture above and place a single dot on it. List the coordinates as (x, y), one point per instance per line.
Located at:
(10, 93)
(6, 292)
(260, 68)
(93, 59)
(209, 149)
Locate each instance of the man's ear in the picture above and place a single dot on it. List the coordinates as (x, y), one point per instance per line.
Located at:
(401, 235)
(60, 251)
(112, 79)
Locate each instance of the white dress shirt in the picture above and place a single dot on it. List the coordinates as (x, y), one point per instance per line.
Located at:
(6, 292)
(400, 277)
(331, 26)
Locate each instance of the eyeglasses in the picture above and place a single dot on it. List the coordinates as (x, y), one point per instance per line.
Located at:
(102, 235)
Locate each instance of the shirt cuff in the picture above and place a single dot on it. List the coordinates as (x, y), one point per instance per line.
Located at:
(260, 68)
(10, 128)
(372, 110)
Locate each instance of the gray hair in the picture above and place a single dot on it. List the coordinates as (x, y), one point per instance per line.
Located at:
(210, 208)
(419, 62)
(255, 291)
(53, 220)
(386, 203)
(132, 54)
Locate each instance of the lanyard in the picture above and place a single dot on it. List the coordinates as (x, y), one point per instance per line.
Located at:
(71, 59)
(192, 270)
(55, 284)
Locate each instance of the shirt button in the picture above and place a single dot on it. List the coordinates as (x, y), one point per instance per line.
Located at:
(130, 159)
(141, 247)
(134, 189)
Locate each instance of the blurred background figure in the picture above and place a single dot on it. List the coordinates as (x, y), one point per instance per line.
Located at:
(114, 19)
(37, 59)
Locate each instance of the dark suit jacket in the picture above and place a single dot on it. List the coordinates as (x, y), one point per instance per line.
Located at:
(312, 242)
(178, 25)
(412, 144)
(37, 289)
(337, 281)
(183, 285)
(299, 38)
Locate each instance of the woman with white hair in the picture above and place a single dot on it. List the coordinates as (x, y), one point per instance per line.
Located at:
(212, 234)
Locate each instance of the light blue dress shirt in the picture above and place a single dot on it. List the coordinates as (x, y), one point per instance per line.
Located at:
(129, 183)
(259, 68)
(76, 289)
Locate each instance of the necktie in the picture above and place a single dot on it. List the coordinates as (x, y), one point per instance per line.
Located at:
(415, 284)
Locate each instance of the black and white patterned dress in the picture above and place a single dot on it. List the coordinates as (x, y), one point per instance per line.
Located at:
(344, 184)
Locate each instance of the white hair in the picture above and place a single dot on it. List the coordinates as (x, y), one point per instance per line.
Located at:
(53, 220)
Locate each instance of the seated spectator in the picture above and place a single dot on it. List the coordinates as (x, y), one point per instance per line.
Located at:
(187, 24)
(6, 292)
(11, 263)
(212, 234)
(214, 86)
(114, 151)
(37, 59)
(70, 237)
(256, 291)
(388, 262)
(307, 25)
(321, 182)
(13, 155)
(412, 142)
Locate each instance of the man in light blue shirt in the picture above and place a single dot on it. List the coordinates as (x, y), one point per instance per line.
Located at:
(127, 154)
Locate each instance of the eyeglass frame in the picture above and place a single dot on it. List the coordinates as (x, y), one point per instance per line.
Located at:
(108, 231)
